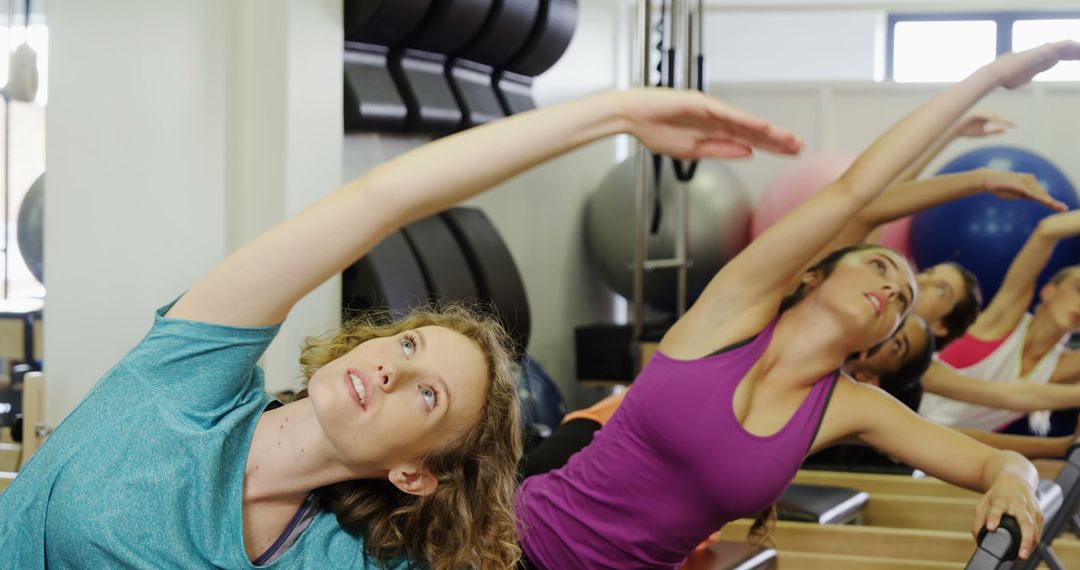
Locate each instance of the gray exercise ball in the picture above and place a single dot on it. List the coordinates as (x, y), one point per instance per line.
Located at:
(32, 229)
(719, 221)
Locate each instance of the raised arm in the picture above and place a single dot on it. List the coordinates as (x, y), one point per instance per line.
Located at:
(911, 197)
(1013, 297)
(1020, 397)
(1005, 477)
(976, 125)
(260, 282)
(751, 286)
(915, 196)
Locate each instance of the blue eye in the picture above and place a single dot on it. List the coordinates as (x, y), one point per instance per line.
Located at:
(408, 345)
(430, 396)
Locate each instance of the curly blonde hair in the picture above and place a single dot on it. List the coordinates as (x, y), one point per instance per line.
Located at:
(468, 521)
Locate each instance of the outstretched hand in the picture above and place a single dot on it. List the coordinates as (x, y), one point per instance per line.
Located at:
(1014, 185)
(1011, 495)
(1016, 69)
(692, 125)
(982, 124)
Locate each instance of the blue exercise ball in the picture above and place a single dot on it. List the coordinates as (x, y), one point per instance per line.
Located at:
(541, 403)
(984, 233)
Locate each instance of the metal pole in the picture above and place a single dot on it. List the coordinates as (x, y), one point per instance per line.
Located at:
(637, 305)
(680, 42)
(7, 159)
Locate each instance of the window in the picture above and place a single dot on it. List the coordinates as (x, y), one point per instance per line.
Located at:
(26, 159)
(941, 51)
(948, 46)
(1031, 33)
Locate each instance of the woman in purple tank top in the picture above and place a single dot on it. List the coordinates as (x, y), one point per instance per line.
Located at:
(707, 435)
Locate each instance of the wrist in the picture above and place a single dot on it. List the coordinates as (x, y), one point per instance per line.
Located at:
(1017, 468)
(977, 179)
(605, 114)
(1048, 228)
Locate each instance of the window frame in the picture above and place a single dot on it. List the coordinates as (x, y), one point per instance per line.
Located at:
(1003, 19)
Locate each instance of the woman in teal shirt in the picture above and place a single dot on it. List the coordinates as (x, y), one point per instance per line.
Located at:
(405, 448)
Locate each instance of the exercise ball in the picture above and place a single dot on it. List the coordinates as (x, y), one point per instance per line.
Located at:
(794, 184)
(719, 218)
(897, 235)
(32, 229)
(984, 233)
(542, 405)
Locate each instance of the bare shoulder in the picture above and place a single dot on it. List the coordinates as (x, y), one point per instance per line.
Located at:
(701, 331)
(853, 407)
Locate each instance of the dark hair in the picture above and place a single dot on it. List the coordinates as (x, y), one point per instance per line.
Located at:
(905, 383)
(763, 527)
(825, 266)
(1062, 274)
(966, 310)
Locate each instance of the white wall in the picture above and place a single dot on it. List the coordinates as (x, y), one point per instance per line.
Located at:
(136, 155)
(795, 46)
(175, 131)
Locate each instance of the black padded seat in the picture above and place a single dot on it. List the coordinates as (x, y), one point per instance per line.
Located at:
(821, 504)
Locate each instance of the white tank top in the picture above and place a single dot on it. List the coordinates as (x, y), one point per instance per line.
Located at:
(1001, 365)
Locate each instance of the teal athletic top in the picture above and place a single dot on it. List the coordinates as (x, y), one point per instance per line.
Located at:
(148, 471)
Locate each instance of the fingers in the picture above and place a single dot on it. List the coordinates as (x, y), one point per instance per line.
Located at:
(1066, 49)
(723, 149)
(1030, 521)
(999, 119)
(1026, 513)
(980, 518)
(1038, 193)
(1055, 205)
(754, 131)
(993, 515)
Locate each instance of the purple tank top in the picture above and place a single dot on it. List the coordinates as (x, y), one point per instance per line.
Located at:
(672, 466)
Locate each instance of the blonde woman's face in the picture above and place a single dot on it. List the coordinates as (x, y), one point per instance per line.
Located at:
(395, 399)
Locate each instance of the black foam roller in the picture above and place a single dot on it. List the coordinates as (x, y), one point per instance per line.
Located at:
(493, 268)
(504, 33)
(444, 265)
(386, 22)
(450, 25)
(549, 39)
(387, 278)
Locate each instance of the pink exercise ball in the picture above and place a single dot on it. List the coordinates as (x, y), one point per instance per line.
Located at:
(796, 183)
(897, 235)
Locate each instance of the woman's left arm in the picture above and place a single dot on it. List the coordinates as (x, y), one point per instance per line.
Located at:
(1006, 478)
